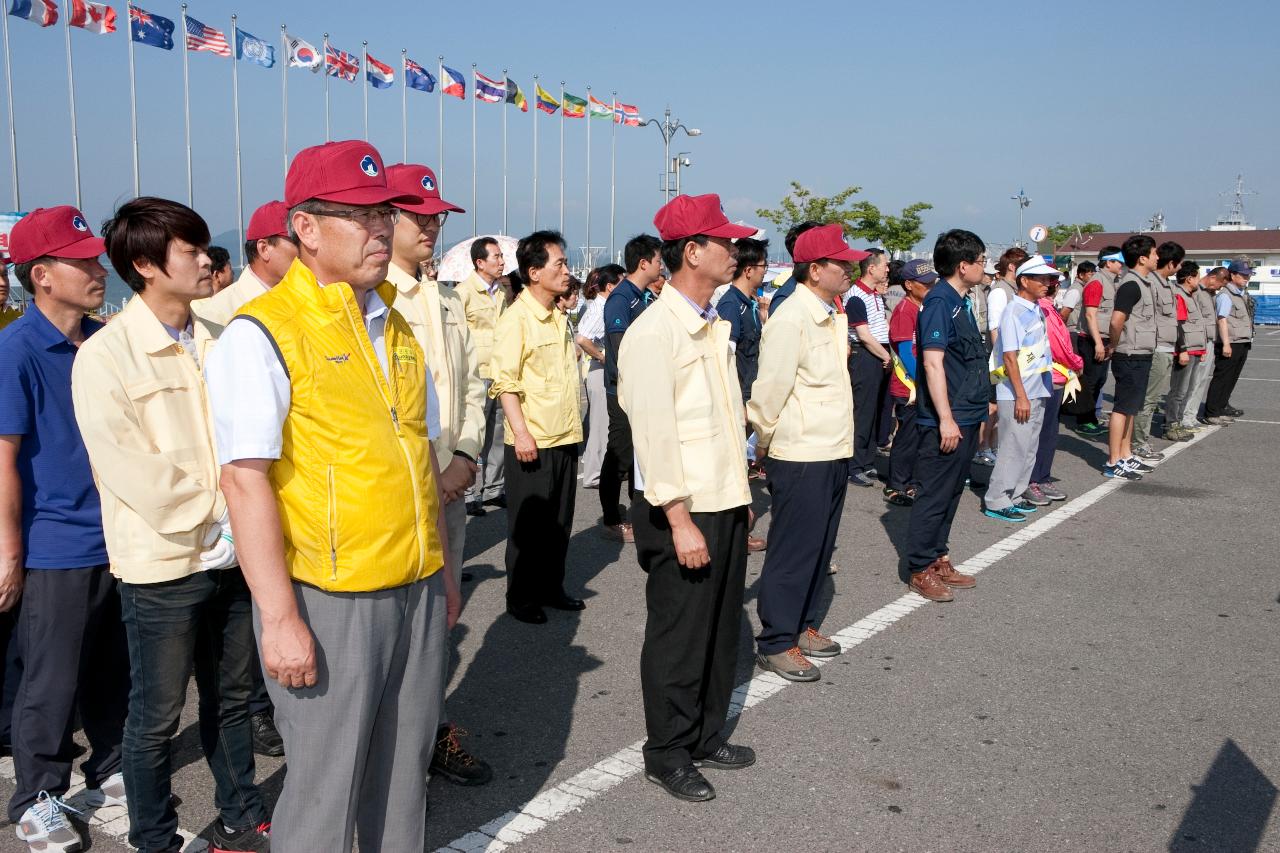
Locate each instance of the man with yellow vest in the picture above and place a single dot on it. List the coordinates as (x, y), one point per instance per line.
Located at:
(435, 315)
(323, 405)
(269, 252)
(484, 301)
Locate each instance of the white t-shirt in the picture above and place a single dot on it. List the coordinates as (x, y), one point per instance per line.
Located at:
(997, 299)
(1069, 298)
(250, 392)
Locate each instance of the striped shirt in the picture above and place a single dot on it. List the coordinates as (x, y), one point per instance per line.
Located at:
(867, 309)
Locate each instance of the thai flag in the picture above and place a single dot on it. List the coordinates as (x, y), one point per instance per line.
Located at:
(454, 83)
(94, 17)
(490, 91)
(42, 12)
(417, 77)
(339, 63)
(379, 74)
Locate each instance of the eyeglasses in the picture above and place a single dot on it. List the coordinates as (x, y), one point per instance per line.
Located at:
(423, 220)
(365, 217)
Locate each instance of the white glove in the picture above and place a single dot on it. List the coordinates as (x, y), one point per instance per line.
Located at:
(220, 548)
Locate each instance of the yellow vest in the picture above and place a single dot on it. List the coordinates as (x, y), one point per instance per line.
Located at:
(353, 482)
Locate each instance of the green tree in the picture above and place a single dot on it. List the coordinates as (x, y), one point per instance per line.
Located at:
(860, 219)
(1061, 233)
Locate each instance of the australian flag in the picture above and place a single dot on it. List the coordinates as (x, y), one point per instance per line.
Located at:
(147, 28)
(417, 77)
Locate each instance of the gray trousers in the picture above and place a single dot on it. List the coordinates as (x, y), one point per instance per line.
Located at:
(359, 742)
(1157, 387)
(1018, 445)
(455, 519)
(489, 482)
(1180, 383)
(1199, 388)
(597, 428)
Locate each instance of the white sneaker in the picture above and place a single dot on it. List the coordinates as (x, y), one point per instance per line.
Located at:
(110, 794)
(45, 828)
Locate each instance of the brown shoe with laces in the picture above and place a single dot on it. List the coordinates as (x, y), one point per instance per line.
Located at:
(454, 763)
(947, 574)
(927, 584)
(791, 665)
(814, 645)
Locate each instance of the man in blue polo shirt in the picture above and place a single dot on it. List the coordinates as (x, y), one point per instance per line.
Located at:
(951, 407)
(642, 257)
(52, 551)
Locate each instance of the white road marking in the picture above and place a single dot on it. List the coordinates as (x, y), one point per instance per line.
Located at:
(1264, 359)
(572, 794)
(1257, 379)
(1243, 421)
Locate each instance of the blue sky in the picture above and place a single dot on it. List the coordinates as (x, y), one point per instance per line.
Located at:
(1102, 111)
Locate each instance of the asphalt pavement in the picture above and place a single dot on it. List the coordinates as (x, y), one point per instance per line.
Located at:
(1111, 684)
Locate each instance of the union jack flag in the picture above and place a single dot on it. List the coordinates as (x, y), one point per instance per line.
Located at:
(200, 37)
(339, 63)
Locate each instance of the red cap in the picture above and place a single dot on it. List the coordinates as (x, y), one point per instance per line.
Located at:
(825, 243)
(419, 180)
(689, 215)
(347, 172)
(59, 232)
(268, 221)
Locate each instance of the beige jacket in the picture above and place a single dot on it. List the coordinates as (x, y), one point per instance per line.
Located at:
(223, 305)
(482, 311)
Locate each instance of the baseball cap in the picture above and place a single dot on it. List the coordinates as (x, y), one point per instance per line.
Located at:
(1114, 256)
(990, 268)
(268, 221)
(825, 243)
(1241, 268)
(690, 215)
(1036, 265)
(59, 232)
(421, 181)
(919, 270)
(348, 172)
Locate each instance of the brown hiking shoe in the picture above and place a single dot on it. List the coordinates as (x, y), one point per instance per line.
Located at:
(928, 585)
(814, 645)
(791, 665)
(948, 575)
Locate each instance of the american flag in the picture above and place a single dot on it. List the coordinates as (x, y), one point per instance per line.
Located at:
(200, 37)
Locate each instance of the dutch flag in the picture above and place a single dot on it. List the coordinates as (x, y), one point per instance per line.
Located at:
(379, 74)
(42, 12)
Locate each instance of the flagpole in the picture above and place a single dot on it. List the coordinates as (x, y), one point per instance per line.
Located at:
(536, 110)
(506, 87)
(404, 105)
(133, 100)
(284, 98)
(475, 96)
(562, 157)
(325, 69)
(186, 104)
(440, 128)
(613, 180)
(71, 95)
(13, 128)
(364, 72)
(588, 117)
(235, 107)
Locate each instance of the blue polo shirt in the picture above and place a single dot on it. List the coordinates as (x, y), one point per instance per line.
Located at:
(61, 512)
(783, 293)
(947, 323)
(621, 309)
(743, 315)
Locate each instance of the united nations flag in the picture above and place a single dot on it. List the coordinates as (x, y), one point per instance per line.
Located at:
(254, 49)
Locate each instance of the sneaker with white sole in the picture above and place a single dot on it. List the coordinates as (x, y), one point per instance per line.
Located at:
(110, 793)
(1147, 453)
(45, 828)
(1052, 492)
(1133, 463)
(1120, 471)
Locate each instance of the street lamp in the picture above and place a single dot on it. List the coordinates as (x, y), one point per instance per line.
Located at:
(668, 127)
(678, 162)
(1023, 204)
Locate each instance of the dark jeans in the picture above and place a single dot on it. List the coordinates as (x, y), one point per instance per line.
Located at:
(941, 477)
(12, 676)
(74, 658)
(202, 622)
(1093, 376)
(870, 387)
(906, 444)
(808, 498)
(540, 503)
(259, 701)
(1043, 469)
(1226, 373)
(618, 459)
(690, 651)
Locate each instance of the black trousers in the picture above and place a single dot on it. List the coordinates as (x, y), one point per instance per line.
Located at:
(12, 675)
(906, 445)
(690, 651)
(870, 387)
(941, 477)
(540, 501)
(1226, 373)
(259, 701)
(808, 498)
(75, 657)
(1092, 379)
(618, 459)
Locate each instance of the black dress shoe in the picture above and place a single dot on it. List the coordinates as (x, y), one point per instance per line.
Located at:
(266, 739)
(564, 602)
(530, 613)
(1234, 412)
(500, 502)
(728, 757)
(475, 508)
(684, 783)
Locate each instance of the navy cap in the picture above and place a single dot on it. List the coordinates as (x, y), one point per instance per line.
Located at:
(919, 270)
(1241, 268)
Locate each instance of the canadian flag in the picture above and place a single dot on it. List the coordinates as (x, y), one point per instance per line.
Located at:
(95, 17)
